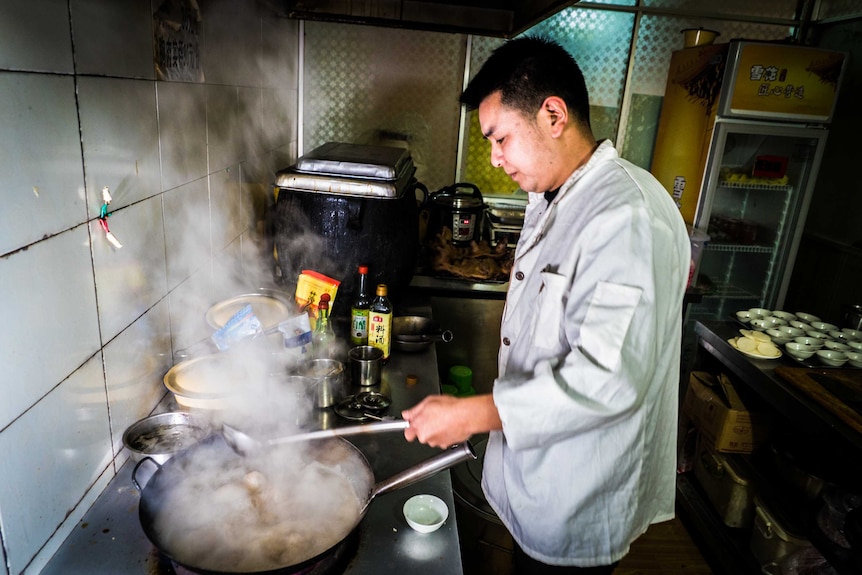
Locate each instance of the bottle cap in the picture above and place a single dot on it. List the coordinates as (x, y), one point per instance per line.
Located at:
(381, 289)
(325, 297)
(363, 269)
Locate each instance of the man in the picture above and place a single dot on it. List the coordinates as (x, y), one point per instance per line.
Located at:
(583, 415)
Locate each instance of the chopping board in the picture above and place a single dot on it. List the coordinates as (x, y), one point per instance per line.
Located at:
(837, 390)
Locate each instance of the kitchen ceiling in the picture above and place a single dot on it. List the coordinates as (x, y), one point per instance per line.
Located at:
(499, 18)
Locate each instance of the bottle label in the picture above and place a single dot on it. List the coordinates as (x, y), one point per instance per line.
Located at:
(359, 326)
(380, 331)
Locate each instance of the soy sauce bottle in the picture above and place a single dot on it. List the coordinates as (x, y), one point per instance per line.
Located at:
(380, 322)
(359, 311)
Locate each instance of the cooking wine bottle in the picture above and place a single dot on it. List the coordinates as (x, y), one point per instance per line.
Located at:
(380, 322)
(323, 336)
(359, 311)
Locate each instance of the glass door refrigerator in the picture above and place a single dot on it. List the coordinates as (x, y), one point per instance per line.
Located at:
(742, 168)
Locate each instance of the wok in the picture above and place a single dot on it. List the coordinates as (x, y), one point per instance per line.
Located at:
(186, 515)
(415, 333)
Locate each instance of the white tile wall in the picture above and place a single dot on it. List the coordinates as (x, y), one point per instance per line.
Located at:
(89, 330)
(43, 183)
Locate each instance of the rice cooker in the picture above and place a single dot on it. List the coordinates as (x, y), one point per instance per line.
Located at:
(460, 208)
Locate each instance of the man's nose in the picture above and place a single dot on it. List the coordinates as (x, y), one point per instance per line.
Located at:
(496, 156)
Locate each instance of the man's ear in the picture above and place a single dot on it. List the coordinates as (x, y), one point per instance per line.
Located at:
(555, 113)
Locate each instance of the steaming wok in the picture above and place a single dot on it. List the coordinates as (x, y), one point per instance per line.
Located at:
(217, 512)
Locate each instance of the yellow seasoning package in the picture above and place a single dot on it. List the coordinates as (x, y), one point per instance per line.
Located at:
(310, 286)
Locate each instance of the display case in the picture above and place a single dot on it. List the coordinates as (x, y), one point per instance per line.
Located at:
(759, 180)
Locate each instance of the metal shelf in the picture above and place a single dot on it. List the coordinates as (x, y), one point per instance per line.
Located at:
(729, 291)
(753, 186)
(739, 248)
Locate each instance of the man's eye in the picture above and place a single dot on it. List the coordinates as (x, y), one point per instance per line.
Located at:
(499, 140)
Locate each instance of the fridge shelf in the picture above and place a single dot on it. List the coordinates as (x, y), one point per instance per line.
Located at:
(756, 186)
(740, 248)
(729, 291)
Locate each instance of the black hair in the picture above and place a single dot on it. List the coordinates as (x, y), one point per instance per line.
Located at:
(526, 71)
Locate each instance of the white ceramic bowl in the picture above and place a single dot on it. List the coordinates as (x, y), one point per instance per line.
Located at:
(799, 350)
(832, 357)
(852, 334)
(812, 342)
(785, 315)
(759, 313)
(806, 317)
(855, 345)
(743, 316)
(840, 336)
(823, 326)
(799, 324)
(790, 332)
(836, 345)
(425, 513)
(854, 358)
(817, 335)
(768, 322)
(777, 337)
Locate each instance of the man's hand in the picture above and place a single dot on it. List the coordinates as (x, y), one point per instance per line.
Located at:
(443, 420)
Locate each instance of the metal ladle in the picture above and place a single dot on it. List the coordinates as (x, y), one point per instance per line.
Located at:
(244, 444)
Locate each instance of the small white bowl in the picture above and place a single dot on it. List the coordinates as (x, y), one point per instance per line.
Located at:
(790, 332)
(812, 342)
(800, 324)
(823, 326)
(743, 316)
(768, 322)
(759, 313)
(840, 336)
(806, 317)
(817, 335)
(785, 315)
(832, 357)
(854, 358)
(836, 345)
(855, 345)
(799, 350)
(852, 334)
(777, 337)
(425, 513)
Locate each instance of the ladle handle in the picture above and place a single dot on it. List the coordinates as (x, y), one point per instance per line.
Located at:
(378, 427)
(451, 457)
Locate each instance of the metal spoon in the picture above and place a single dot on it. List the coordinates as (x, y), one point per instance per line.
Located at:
(244, 444)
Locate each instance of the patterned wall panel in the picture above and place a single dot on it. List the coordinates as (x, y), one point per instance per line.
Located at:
(363, 84)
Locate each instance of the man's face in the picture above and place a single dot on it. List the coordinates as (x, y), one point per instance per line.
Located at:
(518, 145)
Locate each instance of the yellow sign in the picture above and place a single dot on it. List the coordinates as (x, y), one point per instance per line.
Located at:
(786, 81)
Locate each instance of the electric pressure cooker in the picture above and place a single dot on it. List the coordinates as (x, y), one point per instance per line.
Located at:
(460, 208)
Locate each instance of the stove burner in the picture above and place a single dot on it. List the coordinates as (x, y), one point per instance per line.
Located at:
(334, 563)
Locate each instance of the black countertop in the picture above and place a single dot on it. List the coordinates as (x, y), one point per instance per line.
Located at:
(109, 539)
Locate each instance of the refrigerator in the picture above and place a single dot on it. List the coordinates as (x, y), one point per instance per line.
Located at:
(740, 138)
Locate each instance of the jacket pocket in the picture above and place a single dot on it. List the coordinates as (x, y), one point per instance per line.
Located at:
(547, 329)
(607, 322)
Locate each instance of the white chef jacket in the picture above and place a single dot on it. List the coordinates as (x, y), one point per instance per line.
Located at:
(589, 367)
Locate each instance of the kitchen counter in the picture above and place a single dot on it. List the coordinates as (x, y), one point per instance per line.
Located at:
(110, 540)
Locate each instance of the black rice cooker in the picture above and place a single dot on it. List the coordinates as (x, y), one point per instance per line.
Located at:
(460, 208)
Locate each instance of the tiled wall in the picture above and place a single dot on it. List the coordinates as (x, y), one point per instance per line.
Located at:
(88, 329)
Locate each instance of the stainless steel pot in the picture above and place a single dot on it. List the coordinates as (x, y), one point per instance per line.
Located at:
(204, 540)
(852, 317)
(412, 333)
(162, 435)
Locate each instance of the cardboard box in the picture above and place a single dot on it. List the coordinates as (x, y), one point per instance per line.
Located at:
(729, 421)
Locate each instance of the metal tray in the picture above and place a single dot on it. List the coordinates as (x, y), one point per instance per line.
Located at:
(341, 186)
(355, 160)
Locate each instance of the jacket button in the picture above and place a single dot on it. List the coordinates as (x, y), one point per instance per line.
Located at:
(519, 276)
(506, 341)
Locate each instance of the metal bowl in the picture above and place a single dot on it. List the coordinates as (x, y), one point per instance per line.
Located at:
(161, 436)
(412, 333)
